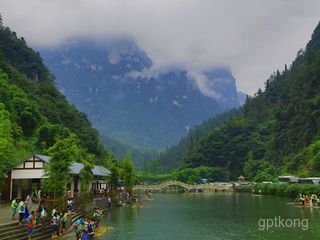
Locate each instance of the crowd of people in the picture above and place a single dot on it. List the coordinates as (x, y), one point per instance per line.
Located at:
(311, 200)
(39, 216)
(58, 223)
(24, 210)
(85, 228)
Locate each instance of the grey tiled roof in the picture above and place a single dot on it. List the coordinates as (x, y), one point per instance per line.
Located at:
(97, 170)
(43, 157)
(100, 171)
(76, 167)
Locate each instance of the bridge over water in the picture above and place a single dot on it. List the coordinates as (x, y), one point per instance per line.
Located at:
(185, 186)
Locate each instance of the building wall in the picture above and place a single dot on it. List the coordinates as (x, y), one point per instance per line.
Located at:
(27, 173)
(98, 184)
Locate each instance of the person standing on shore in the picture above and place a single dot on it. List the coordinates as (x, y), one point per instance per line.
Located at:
(29, 201)
(109, 202)
(21, 209)
(14, 206)
(44, 215)
(63, 223)
(96, 217)
(54, 226)
(30, 224)
(38, 212)
(26, 210)
(90, 229)
(53, 212)
(69, 205)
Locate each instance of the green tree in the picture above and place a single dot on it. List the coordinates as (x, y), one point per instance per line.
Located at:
(6, 141)
(63, 153)
(114, 177)
(28, 122)
(313, 153)
(86, 174)
(48, 134)
(128, 169)
(267, 172)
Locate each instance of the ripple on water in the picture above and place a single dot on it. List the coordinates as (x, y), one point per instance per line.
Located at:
(217, 216)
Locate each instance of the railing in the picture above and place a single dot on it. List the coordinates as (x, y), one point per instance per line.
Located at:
(182, 185)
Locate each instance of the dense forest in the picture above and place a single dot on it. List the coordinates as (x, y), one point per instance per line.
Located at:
(172, 157)
(276, 131)
(34, 115)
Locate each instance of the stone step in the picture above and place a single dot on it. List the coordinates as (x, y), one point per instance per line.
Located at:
(41, 237)
(10, 228)
(22, 234)
(76, 215)
(6, 225)
(16, 227)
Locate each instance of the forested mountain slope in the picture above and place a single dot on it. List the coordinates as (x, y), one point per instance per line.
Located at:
(171, 158)
(277, 131)
(33, 113)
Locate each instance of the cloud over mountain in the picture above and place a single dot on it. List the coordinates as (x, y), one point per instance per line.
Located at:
(249, 36)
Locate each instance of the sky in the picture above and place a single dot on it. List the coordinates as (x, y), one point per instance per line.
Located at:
(253, 37)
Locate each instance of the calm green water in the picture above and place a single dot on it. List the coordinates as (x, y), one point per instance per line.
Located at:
(224, 216)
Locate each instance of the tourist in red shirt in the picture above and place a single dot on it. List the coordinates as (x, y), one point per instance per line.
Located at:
(30, 224)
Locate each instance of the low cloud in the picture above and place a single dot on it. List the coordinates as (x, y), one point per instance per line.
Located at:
(253, 37)
(204, 85)
(146, 73)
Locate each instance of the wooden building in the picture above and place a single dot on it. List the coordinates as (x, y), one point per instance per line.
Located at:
(26, 177)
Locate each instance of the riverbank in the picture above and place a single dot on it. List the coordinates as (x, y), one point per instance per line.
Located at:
(286, 190)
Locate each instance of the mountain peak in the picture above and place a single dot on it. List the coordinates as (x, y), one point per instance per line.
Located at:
(115, 83)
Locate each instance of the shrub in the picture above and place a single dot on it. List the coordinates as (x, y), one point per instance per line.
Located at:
(287, 190)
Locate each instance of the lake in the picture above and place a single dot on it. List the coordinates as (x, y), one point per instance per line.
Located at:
(222, 216)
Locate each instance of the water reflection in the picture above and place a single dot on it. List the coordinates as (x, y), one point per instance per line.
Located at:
(221, 216)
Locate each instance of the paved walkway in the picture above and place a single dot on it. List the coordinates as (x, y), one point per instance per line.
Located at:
(6, 214)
